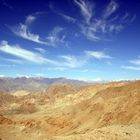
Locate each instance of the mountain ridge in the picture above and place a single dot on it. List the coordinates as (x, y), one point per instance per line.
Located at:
(35, 83)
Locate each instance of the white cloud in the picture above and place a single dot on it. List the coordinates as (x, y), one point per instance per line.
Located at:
(110, 9)
(2, 75)
(41, 50)
(89, 32)
(39, 75)
(86, 9)
(17, 51)
(91, 80)
(61, 62)
(12, 60)
(22, 31)
(15, 61)
(65, 61)
(30, 19)
(135, 61)
(131, 68)
(98, 54)
(135, 64)
(88, 71)
(68, 18)
(72, 61)
(56, 37)
(99, 28)
(64, 16)
(23, 75)
(57, 69)
(79, 61)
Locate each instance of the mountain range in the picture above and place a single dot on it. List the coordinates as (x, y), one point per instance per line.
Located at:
(35, 83)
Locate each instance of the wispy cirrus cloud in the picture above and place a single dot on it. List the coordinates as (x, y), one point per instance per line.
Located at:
(131, 68)
(97, 28)
(88, 70)
(56, 37)
(61, 62)
(86, 9)
(135, 61)
(72, 61)
(41, 50)
(98, 55)
(64, 16)
(110, 9)
(30, 19)
(56, 68)
(22, 30)
(65, 61)
(24, 54)
(12, 60)
(67, 18)
(79, 61)
(135, 64)
(102, 26)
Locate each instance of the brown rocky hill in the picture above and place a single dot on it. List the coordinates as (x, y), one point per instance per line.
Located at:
(6, 98)
(100, 112)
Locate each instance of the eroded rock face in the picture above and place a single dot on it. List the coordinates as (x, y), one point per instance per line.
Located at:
(4, 120)
(106, 111)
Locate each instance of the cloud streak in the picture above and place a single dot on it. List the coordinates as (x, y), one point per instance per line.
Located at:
(68, 18)
(96, 28)
(135, 65)
(135, 62)
(86, 9)
(22, 30)
(110, 9)
(30, 19)
(98, 55)
(56, 37)
(24, 54)
(72, 61)
(41, 50)
(131, 68)
(56, 68)
(61, 62)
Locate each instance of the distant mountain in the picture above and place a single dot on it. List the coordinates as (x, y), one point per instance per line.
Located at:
(35, 83)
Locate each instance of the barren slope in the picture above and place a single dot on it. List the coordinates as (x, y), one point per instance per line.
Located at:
(102, 112)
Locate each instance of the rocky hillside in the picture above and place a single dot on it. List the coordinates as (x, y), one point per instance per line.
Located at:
(108, 111)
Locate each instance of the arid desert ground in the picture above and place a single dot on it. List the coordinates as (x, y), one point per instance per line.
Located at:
(109, 111)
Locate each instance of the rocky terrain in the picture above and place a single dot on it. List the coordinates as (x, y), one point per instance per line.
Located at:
(108, 111)
(8, 84)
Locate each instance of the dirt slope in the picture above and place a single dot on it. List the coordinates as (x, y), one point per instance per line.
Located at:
(101, 112)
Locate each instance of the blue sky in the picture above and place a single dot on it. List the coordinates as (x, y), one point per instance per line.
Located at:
(80, 39)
